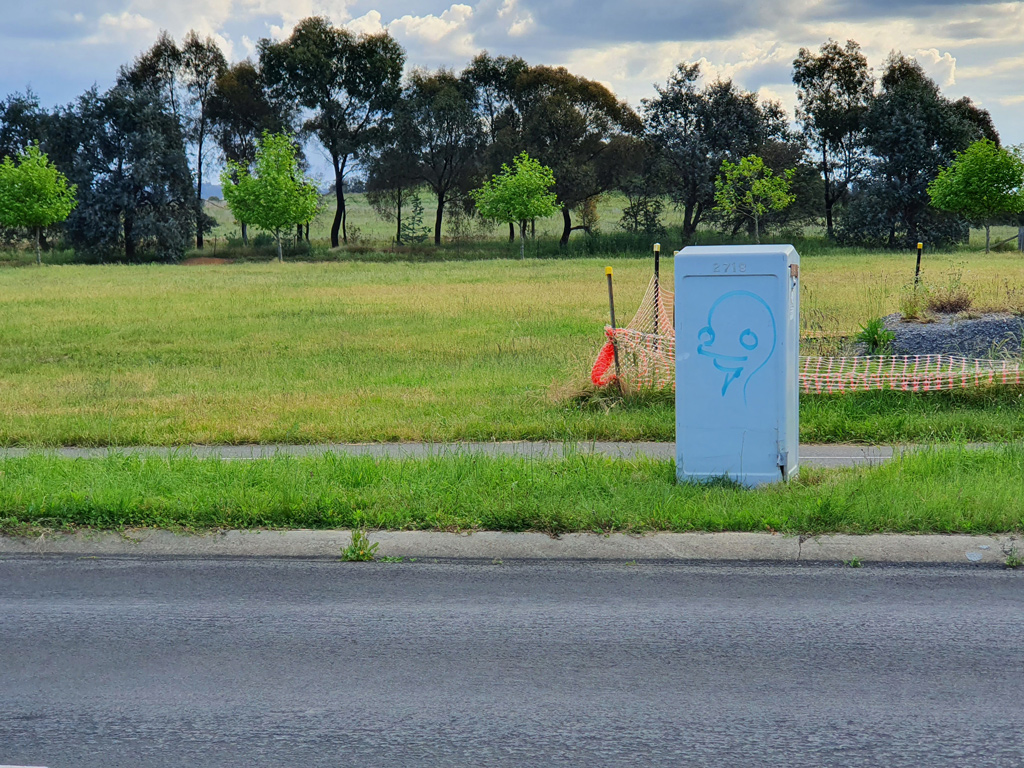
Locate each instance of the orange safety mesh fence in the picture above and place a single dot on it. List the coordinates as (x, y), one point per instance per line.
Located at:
(647, 346)
(647, 360)
(908, 373)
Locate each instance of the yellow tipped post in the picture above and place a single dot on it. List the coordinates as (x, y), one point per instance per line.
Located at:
(917, 271)
(611, 307)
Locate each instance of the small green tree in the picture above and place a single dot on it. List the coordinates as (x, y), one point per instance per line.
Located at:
(277, 194)
(983, 184)
(749, 188)
(33, 193)
(518, 194)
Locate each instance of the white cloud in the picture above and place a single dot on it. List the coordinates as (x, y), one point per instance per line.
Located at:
(122, 27)
(520, 21)
(367, 24)
(450, 30)
(939, 66)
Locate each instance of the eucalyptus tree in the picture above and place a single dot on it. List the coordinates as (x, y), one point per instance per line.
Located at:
(202, 63)
(158, 68)
(834, 92)
(498, 101)
(392, 168)
(912, 130)
(446, 135)
(347, 83)
(126, 154)
(568, 124)
(22, 121)
(699, 128)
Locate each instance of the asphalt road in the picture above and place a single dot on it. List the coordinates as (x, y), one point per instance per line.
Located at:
(141, 663)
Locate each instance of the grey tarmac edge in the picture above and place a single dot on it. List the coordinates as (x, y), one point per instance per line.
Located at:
(496, 545)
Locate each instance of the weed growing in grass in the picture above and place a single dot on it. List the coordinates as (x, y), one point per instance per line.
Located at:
(913, 303)
(876, 337)
(1014, 559)
(953, 297)
(360, 550)
(1014, 298)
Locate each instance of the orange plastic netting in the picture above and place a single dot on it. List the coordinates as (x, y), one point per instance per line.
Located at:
(647, 360)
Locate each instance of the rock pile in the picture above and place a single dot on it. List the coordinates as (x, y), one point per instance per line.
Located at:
(988, 335)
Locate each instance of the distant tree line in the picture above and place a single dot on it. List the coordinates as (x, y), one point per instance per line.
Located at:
(860, 156)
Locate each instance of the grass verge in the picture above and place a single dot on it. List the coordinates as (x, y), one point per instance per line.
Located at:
(947, 490)
(353, 352)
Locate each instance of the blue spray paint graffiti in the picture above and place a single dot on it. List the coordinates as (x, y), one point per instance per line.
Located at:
(746, 351)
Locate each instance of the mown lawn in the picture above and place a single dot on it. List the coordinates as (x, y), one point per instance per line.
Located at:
(355, 351)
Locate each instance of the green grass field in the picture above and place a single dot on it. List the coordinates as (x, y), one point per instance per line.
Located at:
(942, 491)
(357, 351)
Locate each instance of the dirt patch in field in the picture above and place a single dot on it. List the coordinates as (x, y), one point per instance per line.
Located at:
(197, 260)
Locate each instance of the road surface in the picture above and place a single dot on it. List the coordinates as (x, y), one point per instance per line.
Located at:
(251, 662)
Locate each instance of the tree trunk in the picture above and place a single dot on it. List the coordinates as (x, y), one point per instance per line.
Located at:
(339, 195)
(39, 259)
(1020, 239)
(566, 227)
(757, 233)
(511, 232)
(298, 234)
(988, 236)
(522, 240)
(533, 228)
(437, 219)
(245, 235)
(280, 254)
(829, 231)
(307, 231)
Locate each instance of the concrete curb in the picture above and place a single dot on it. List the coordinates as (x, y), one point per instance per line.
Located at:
(491, 545)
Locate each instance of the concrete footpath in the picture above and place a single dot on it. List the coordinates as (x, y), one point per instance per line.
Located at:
(493, 545)
(810, 455)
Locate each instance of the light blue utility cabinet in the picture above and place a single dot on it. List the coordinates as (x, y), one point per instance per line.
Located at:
(737, 356)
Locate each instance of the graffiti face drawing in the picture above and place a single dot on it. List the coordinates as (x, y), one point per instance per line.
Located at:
(739, 338)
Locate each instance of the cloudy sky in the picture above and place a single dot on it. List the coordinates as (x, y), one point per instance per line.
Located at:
(61, 47)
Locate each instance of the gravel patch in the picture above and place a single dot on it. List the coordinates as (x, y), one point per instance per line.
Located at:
(989, 335)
